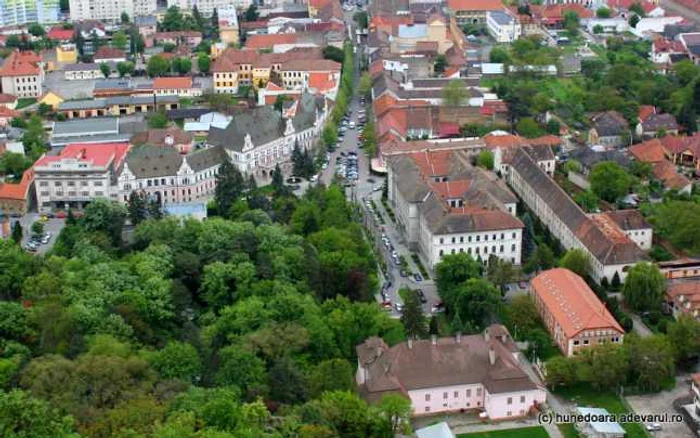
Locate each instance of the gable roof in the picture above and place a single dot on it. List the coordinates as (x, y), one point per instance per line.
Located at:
(266, 41)
(153, 161)
(650, 151)
(572, 303)
(628, 219)
(60, 34)
(21, 64)
(475, 5)
(609, 123)
(203, 159)
(176, 83)
(156, 137)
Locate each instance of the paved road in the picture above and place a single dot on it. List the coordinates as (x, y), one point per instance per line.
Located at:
(53, 226)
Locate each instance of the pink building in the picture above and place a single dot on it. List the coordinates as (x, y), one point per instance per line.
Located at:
(476, 372)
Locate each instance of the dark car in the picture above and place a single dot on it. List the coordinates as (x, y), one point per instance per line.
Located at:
(403, 273)
(417, 277)
(421, 296)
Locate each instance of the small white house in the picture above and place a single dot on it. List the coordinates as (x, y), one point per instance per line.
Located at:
(503, 27)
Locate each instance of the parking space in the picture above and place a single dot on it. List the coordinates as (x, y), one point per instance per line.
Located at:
(661, 403)
(41, 244)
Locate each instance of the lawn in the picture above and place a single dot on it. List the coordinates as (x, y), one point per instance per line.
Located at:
(587, 396)
(25, 102)
(568, 430)
(523, 432)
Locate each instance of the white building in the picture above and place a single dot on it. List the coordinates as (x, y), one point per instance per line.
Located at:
(207, 7)
(609, 25)
(444, 205)
(110, 10)
(610, 251)
(479, 373)
(258, 139)
(503, 27)
(19, 12)
(78, 175)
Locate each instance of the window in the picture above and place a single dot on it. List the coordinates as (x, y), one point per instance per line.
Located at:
(576, 342)
(84, 183)
(509, 414)
(453, 240)
(469, 250)
(98, 184)
(513, 235)
(486, 237)
(444, 394)
(469, 392)
(427, 409)
(452, 251)
(502, 236)
(71, 183)
(58, 183)
(469, 238)
(478, 392)
(585, 342)
(500, 249)
(522, 399)
(478, 238)
(510, 400)
(456, 394)
(427, 397)
(512, 247)
(461, 239)
(442, 241)
(43, 184)
(442, 252)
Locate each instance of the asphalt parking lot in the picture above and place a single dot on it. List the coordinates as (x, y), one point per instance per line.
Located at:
(660, 403)
(53, 226)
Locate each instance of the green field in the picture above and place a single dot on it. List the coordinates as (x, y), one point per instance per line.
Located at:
(568, 430)
(523, 432)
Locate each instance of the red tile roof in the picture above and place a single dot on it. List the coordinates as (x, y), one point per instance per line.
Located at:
(662, 45)
(18, 191)
(572, 304)
(645, 111)
(626, 4)
(686, 297)
(651, 151)
(475, 5)
(268, 41)
(178, 83)
(321, 81)
(21, 64)
(667, 172)
(555, 13)
(106, 52)
(58, 33)
(5, 112)
(7, 98)
(317, 65)
(98, 154)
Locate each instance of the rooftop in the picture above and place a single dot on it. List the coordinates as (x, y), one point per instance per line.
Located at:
(475, 5)
(162, 83)
(572, 303)
(501, 17)
(100, 155)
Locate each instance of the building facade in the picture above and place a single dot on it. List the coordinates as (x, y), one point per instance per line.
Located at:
(465, 373)
(20, 12)
(503, 27)
(22, 75)
(572, 313)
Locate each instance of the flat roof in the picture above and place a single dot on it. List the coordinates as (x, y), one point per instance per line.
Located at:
(500, 17)
(606, 427)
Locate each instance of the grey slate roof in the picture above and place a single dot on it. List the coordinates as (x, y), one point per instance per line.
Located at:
(609, 124)
(82, 104)
(153, 161)
(102, 125)
(206, 158)
(589, 158)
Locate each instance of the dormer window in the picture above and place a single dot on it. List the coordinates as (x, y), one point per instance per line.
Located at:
(456, 203)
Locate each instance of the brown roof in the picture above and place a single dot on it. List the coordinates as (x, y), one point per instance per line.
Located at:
(572, 304)
(667, 172)
(156, 137)
(184, 82)
(7, 98)
(628, 219)
(231, 59)
(475, 5)
(655, 122)
(21, 64)
(311, 65)
(423, 365)
(651, 151)
(106, 52)
(686, 295)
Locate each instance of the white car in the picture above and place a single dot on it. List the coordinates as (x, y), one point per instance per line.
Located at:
(351, 125)
(314, 178)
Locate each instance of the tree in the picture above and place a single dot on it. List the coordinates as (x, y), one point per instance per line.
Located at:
(500, 272)
(602, 366)
(178, 360)
(158, 121)
(139, 44)
(454, 93)
(125, 68)
(172, 21)
(361, 19)
(609, 181)
(603, 12)
(229, 187)
(455, 269)
(587, 200)
(329, 135)
(215, 24)
(286, 381)
(182, 65)
(577, 261)
(571, 21)
(553, 127)
(119, 40)
(330, 375)
(203, 63)
(36, 30)
(475, 300)
(38, 228)
(198, 19)
(499, 55)
(125, 18)
(440, 64)
(136, 206)
(22, 416)
(240, 368)
(644, 287)
(652, 359)
(528, 128)
(634, 19)
(397, 409)
(14, 164)
(34, 138)
(412, 316)
(278, 179)
(598, 29)
(637, 8)
(334, 54)
(157, 65)
(684, 336)
(485, 160)
(105, 69)
(365, 86)
(17, 232)
(560, 371)
(251, 14)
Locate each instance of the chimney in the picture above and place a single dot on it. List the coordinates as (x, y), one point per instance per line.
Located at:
(379, 351)
(410, 343)
(486, 335)
(492, 355)
(458, 337)
(433, 339)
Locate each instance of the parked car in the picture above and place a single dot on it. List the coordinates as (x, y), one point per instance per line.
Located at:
(653, 427)
(438, 307)
(417, 277)
(421, 296)
(398, 307)
(403, 273)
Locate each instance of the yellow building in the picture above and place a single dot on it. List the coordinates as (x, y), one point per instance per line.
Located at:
(228, 26)
(51, 99)
(67, 54)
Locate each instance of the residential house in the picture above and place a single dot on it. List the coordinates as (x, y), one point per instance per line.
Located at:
(503, 27)
(169, 177)
(607, 25)
(552, 15)
(655, 152)
(610, 128)
(653, 124)
(479, 372)
(272, 91)
(630, 222)
(588, 157)
(6, 116)
(572, 313)
(109, 54)
(51, 99)
(691, 42)
(8, 101)
(472, 11)
(16, 198)
(683, 298)
(76, 176)
(82, 71)
(207, 7)
(258, 139)
(683, 268)
(67, 53)
(610, 252)
(444, 205)
(228, 25)
(621, 8)
(22, 75)
(683, 150)
(650, 26)
(665, 52)
(109, 10)
(188, 38)
(673, 180)
(434, 33)
(176, 86)
(298, 74)
(172, 137)
(503, 147)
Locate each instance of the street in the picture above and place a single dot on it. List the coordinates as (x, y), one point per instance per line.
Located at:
(53, 226)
